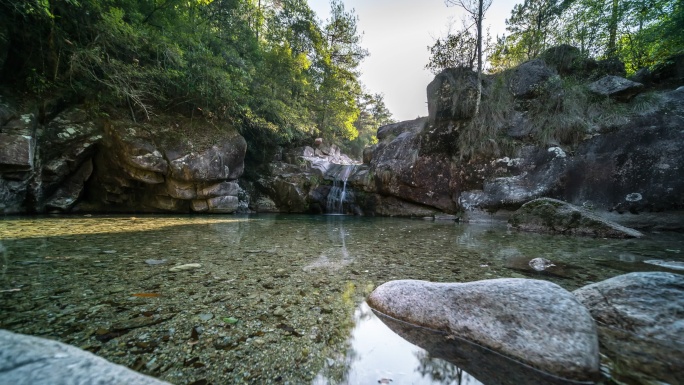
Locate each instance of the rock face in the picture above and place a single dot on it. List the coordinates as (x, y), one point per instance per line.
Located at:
(509, 316)
(66, 160)
(142, 168)
(26, 360)
(546, 215)
(527, 80)
(639, 317)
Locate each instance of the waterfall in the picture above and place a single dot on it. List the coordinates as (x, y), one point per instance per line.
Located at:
(338, 195)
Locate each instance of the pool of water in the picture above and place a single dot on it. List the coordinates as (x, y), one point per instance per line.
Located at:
(268, 298)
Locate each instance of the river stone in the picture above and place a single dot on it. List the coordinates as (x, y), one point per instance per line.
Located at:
(27, 360)
(534, 322)
(640, 322)
(187, 266)
(548, 215)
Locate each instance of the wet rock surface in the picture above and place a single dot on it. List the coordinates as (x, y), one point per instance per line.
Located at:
(640, 324)
(554, 216)
(27, 360)
(509, 316)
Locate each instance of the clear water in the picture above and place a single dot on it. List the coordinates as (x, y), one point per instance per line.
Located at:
(275, 299)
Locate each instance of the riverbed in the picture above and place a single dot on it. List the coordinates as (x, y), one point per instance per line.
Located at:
(269, 299)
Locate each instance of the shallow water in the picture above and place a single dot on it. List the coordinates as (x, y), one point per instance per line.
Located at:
(276, 299)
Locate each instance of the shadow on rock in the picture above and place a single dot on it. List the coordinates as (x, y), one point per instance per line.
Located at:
(488, 366)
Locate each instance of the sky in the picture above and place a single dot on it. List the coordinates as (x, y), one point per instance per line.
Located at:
(397, 34)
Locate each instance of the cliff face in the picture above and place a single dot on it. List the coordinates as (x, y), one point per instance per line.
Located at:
(570, 130)
(74, 162)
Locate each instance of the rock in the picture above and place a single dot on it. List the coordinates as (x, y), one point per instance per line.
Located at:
(219, 162)
(616, 87)
(548, 215)
(451, 95)
(509, 316)
(179, 189)
(399, 169)
(218, 189)
(223, 205)
(16, 152)
(539, 172)
(264, 205)
(639, 317)
(527, 80)
(27, 360)
(674, 265)
(186, 267)
(69, 191)
(565, 59)
(540, 264)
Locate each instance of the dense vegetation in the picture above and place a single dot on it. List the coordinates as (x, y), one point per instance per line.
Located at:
(640, 33)
(268, 67)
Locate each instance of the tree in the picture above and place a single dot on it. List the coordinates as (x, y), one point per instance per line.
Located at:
(531, 25)
(476, 9)
(455, 50)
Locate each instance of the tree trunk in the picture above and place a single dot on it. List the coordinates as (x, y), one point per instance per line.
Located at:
(479, 57)
(612, 28)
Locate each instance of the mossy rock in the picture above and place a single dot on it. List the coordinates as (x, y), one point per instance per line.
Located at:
(546, 215)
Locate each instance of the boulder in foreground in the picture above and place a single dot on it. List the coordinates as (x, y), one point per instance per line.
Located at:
(27, 360)
(640, 319)
(534, 322)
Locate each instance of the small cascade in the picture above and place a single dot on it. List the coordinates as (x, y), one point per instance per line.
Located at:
(339, 195)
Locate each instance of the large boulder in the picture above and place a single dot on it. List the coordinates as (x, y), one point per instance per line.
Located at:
(548, 215)
(616, 87)
(452, 95)
(509, 316)
(27, 360)
(641, 329)
(400, 170)
(528, 79)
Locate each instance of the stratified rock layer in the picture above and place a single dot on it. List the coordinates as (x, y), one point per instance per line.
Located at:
(535, 322)
(27, 360)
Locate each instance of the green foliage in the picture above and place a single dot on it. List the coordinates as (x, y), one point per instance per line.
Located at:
(268, 67)
(640, 33)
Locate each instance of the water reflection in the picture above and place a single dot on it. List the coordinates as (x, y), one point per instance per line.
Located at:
(378, 355)
(294, 283)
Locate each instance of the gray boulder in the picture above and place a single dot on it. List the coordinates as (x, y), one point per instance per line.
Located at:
(452, 95)
(640, 323)
(527, 80)
(27, 360)
(510, 316)
(546, 215)
(616, 87)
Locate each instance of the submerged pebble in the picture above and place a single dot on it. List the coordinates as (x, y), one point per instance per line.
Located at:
(187, 266)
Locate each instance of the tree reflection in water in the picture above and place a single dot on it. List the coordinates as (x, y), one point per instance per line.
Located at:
(441, 371)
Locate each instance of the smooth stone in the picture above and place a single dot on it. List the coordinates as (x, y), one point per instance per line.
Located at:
(27, 360)
(535, 322)
(155, 261)
(640, 318)
(188, 266)
(674, 265)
